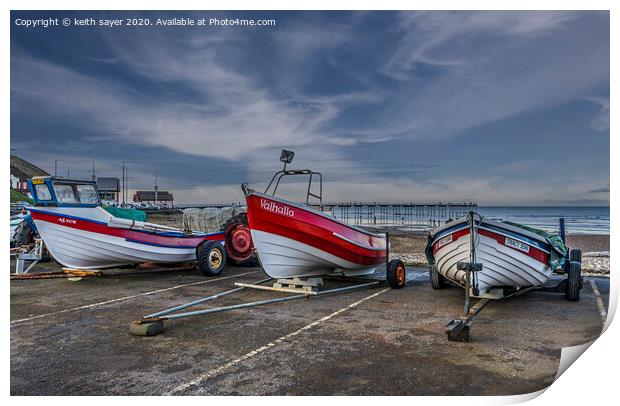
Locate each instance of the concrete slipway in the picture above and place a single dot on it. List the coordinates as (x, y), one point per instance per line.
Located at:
(71, 338)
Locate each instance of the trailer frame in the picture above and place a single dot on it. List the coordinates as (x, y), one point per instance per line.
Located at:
(153, 324)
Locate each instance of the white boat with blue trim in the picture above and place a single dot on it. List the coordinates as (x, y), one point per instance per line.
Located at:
(81, 234)
(510, 255)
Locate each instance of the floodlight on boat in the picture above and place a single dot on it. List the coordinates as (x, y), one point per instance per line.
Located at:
(287, 156)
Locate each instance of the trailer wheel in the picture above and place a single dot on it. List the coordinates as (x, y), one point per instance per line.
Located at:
(211, 258)
(575, 255)
(438, 281)
(239, 246)
(573, 285)
(24, 235)
(396, 274)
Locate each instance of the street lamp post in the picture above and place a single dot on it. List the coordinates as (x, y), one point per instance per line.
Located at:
(56, 166)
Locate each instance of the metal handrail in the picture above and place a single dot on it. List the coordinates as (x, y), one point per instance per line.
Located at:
(277, 177)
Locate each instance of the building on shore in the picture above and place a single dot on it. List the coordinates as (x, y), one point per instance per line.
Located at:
(154, 197)
(109, 188)
(21, 185)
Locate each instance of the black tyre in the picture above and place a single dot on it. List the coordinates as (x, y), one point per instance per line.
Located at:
(23, 235)
(573, 285)
(575, 255)
(211, 258)
(396, 274)
(438, 281)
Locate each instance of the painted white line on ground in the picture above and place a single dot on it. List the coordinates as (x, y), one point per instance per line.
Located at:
(599, 301)
(265, 347)
(120, 299)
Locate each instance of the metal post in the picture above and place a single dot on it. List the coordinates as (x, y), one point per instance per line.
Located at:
(122, 191)
(56, 165)
(472, 260)
(94, 177)
(387, 250)
(562, 230)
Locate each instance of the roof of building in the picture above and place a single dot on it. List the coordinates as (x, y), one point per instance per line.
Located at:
(23, 169)
(149, 195)
(108, 184)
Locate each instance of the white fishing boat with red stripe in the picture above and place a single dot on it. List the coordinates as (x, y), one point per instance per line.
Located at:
(81, 234)
(510, 255)
(297, 240)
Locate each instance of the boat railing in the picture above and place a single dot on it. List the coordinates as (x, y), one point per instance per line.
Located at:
(272, 187)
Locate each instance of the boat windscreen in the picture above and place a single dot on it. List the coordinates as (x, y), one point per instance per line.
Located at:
(43, 192)
(64, 193)
(87, 194)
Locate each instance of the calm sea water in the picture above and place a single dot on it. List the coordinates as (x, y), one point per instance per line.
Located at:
(579, 220)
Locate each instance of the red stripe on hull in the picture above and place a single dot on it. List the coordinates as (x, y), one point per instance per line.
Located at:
(533, 252)
(134, 236)
(302, 225)
(453, 237)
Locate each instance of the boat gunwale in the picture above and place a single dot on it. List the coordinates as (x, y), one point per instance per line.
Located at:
(170, 233)
(499, 224)
(317, 212)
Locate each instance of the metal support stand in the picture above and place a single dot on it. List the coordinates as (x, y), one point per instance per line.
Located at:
(33, 256)
(470, 268)
(153, 324)
(460, 329)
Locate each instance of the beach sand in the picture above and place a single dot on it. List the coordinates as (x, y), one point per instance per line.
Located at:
(409, 246)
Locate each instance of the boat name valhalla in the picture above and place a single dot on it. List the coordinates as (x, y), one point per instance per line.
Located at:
(272, 206)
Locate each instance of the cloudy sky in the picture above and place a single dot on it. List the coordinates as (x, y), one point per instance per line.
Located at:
(491, 107)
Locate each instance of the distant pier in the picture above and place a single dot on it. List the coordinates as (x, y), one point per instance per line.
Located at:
(412, 216)
(398, 215)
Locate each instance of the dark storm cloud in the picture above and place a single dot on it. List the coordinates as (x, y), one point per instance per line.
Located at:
(483, 106)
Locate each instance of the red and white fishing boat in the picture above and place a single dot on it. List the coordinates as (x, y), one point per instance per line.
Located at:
(510, 256)
(296, 240)
(81, 234)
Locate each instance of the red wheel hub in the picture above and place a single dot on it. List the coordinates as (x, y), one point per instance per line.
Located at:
(239, 242)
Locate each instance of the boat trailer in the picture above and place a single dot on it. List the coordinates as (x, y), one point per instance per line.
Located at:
(306, 288)
(459, 328)
(301, 288)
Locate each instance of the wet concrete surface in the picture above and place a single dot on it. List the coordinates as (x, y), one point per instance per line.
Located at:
(392, 343)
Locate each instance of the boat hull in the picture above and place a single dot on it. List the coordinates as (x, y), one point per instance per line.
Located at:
(296, 241)
(80, 238)
(509, 257)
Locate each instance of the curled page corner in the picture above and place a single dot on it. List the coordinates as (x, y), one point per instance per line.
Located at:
(569, 356)
(612, 303)
(526, 397)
